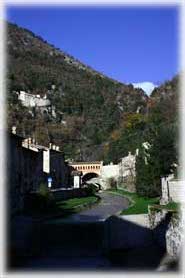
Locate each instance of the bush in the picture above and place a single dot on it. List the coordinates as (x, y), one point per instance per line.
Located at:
(91, 189)
(39, 202)
(147, 178)
(43, 190)
(112, 183)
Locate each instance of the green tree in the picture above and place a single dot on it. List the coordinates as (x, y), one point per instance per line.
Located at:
(156, 161)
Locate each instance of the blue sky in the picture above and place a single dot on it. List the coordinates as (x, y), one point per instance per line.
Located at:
(129, 44)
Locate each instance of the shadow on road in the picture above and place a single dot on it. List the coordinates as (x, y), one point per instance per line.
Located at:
(114, 244)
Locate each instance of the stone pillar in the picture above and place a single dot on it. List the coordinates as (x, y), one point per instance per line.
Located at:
(165, 191)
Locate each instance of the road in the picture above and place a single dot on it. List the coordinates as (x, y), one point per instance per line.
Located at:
(78, 242)
(110, 204)
(75, 242)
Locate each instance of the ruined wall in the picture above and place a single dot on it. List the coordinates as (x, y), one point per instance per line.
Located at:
(127, 173)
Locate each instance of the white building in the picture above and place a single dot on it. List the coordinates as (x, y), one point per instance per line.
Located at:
(30, 100)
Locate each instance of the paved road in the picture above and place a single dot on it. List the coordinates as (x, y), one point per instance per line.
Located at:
(110, 204)
(78, 243)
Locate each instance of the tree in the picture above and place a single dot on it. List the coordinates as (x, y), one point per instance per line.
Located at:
(156, 161)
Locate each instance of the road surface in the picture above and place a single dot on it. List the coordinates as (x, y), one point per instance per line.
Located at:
(110, 204)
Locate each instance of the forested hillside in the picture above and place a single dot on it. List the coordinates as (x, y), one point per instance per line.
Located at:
(93, 106)
(97, 118)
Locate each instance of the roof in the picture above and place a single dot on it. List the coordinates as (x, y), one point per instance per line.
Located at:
(82, 163)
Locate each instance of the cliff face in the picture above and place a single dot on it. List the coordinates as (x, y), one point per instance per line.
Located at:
(91, 110)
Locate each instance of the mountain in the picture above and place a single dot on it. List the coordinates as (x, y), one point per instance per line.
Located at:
(96, 117)
(164, 100)
(147, 87)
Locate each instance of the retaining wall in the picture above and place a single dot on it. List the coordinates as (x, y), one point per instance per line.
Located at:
(168, 230)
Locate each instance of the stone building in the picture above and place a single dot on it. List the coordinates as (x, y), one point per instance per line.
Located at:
(60, 171)
(43, 104)
(29, 165)
(30, 100)
(14, 177)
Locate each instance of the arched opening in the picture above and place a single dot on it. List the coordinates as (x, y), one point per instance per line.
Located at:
(89, 176)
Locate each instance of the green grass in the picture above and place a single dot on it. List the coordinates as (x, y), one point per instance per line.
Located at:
(138, 205)
(66, 208)
(172, 206)
(75, 203)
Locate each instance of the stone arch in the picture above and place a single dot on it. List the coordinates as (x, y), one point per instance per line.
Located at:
(89, 176)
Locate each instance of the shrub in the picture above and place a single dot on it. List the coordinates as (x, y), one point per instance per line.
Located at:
(91, 189)
(43, 190)
(40, 202)
(112, 183)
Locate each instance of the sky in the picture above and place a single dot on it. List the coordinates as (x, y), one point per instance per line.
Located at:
(129, 44)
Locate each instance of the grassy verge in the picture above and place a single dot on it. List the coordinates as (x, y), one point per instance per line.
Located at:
(77, 203)
(43, 207)
(172, 206)
(138, 205)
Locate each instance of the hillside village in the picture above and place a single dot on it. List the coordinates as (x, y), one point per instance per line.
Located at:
(31, 165)
(88, 155)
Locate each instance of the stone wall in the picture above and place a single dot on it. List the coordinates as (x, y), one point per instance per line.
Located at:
(176, 190)
(155, 217)
(174, 236)
(25, 170)
(123, 173)
(127, 165)
(127, 173)
(139, 219)
(168, 230)
(109, 171)
(172, 190)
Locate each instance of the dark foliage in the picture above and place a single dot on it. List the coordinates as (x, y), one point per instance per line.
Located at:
(97, 118)
(90, 104)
